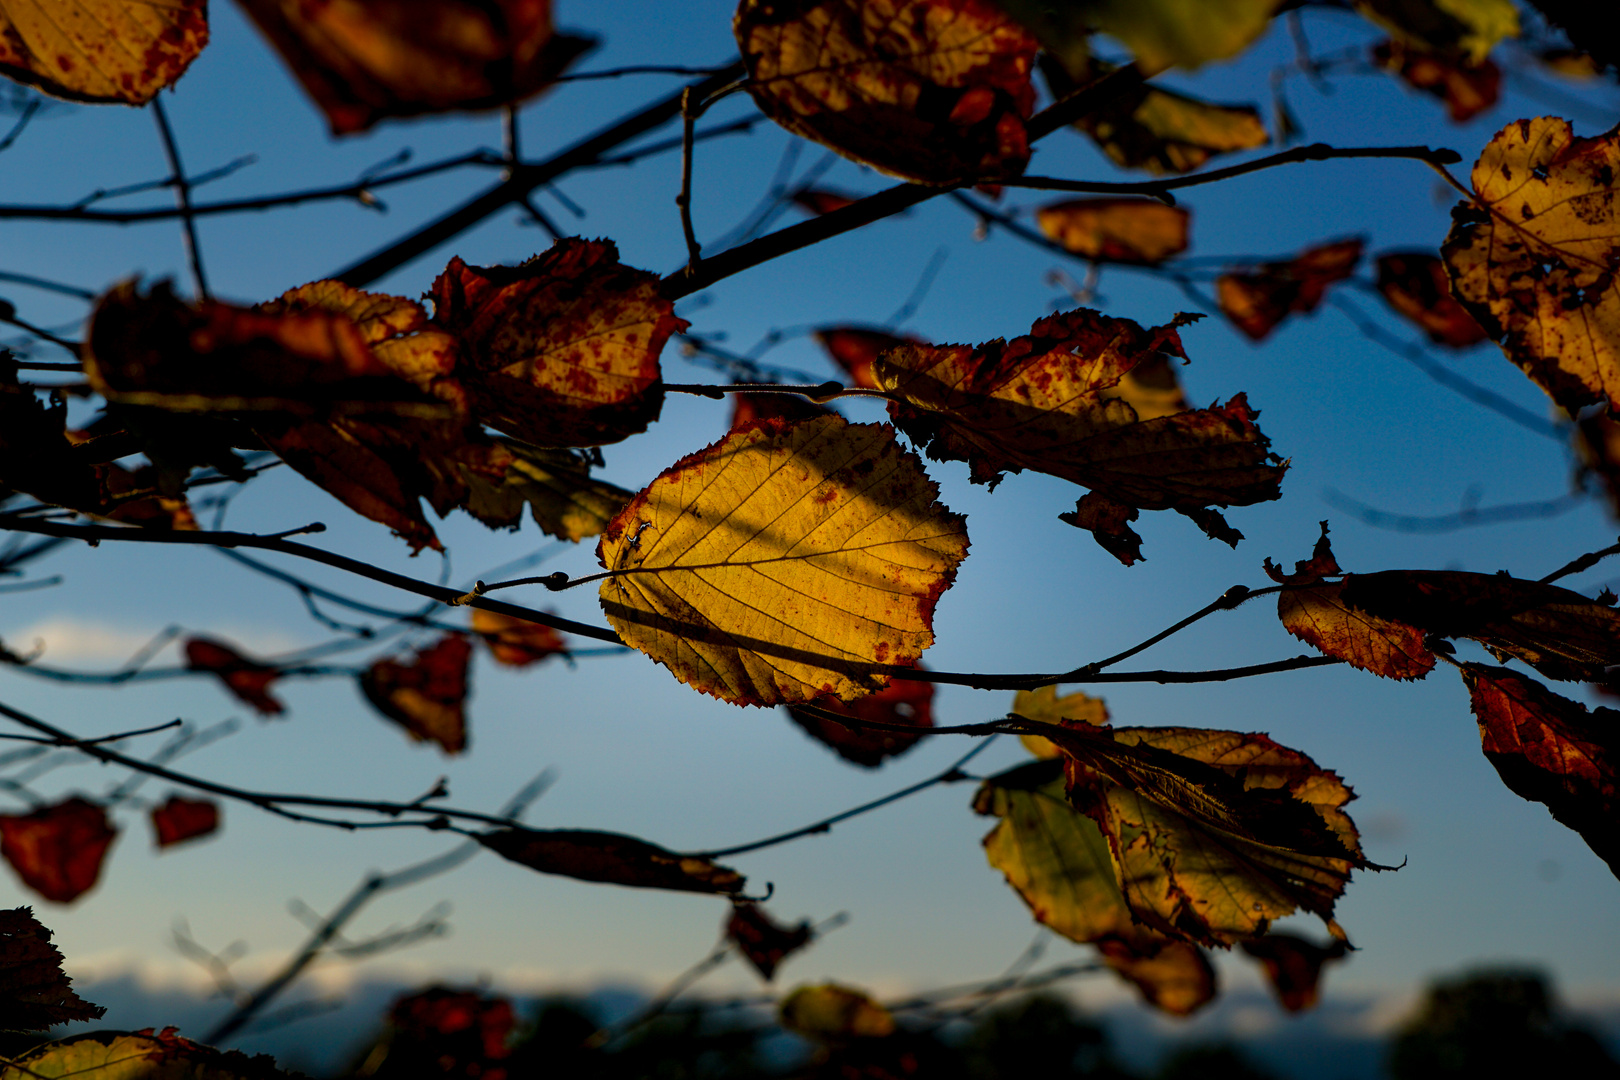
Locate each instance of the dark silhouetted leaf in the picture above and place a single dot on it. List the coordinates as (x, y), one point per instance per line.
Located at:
(1294, 966)
(763, 941)
(611, 858)
(1415, 285)
(34, 993)
(1142, 232)
(58, 849)
(1256, 299)
(834, 1013)
(248, 680)
(426, 694)
(516, 642)
(903, 702)
(101, 50)
(562, 496)
(179, 820)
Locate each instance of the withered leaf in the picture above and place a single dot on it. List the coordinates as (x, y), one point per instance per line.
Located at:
(1534, 260)
(933, 91)
(248, 680)
(903, 702)
(101, 50)
(1553, 751)
(1171, 975)
(425, 694)
(1467, 89)
(1257, 298)
(364, 60)
(563, 349)
(611, 858)
(58, 849)
(140, 1055)
(782, 563)
(1294, 966)
(34, 992)
(516, 642)
(763, 941)
(179, 820)
(1142, 232)
(564, 499)
(1415, 285)
(1043, 706)
(747, 408)
(855, 348)
(830, 1012)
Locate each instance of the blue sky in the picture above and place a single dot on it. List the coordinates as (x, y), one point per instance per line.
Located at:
(1487, 877)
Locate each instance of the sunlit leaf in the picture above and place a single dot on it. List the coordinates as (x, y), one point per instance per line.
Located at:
(179, 820)
(1294, 966)
(58, 849)
(763, 941)
(1172, 976)
(1467, 89)
(425, 694)
(1467, 29)
(140, 1055)
(516, 642)
(1161, 33)
(34, 992)
(563, 349)
(248, 680)
(855, 348)
(1045, 707)
(747, 408)
(611, 858)
(779, 564)
(1143, 232)
(832, 1012)
(364, 60)
(1553, 751)
(1534, 261)
(933, 91)
(101, 50)
(1257, 298)
(564, 499)
(1415, 285)
(903, 702)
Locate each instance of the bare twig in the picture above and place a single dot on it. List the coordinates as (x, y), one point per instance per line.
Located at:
(1585, 562)
(182, 195)
(689, 115)
(1467, 518)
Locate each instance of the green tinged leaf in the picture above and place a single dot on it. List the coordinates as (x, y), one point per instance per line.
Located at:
(1162, 33)
(1465, 29)
(141, 1055)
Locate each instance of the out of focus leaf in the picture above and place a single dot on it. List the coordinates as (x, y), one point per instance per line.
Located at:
(1533, 261)
(34, 992)
(1467, 29)
(822, 200)
(1045, 707)
(763, 941)
(364, 60)
(425, 694)
(248, 680)
(516, 642)
(140, 1055)
(563, 349)
(1293, 966)
(179, 820)
(903, 702)
(830, 1012)
(462, 1032)
(1161, 33)
(1467, 89)
(610, 858)
(58, 849)
(1415, 285)
(1142, 232)
(1597, 442)
(101, 50)
(855, 348)
(779, 564)
(747, 408)
(933, 91)
(1172, 976)
(1257, 298)
(1553, 751)
(562, 496)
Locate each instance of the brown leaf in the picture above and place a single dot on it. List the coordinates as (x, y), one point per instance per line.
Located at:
(563, 498)
(1553, 751)
(1415, 285)
(747, 408)
(855, 348)
(563, 349)
(247, 679)
(57, 850)
(101, 50)
(1171, 975)
(1109, 523)
(763, 941)
(903, 702)
(462, 1032)
(829, 1012)
(1293, 966)
(364, 60)
(516, 642)
(611, 858)
(1467, 89)
(933, 91)
(427, 694)
(34, 992)
(1257, 298)
(1141, 232)
(178, 820)
(822, 200)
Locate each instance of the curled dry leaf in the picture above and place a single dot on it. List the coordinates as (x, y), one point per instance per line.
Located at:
(564, 499)
(35, 994)
(1533, 257)
(101, 50)
(1553, 751)
(516, 642)
(763, 941)
(563, 349)
(364, 60)
(856, 348)
(425, 694)
(179, 820)
(611, 858)
(903, 702)
(1043, 706)
(140, 1055)
(1294, 966)
(1048, 402)
(832, 1013)
(58, 849)
(1142, 232)
(248, 680)
(933, 91)
(784, 562)
(1257, 298)
(1415, 285)
(1467, 89)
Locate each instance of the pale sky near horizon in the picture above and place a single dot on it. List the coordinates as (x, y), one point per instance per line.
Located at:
(1487, 876)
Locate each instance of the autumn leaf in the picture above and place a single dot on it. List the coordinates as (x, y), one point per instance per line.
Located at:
(1043, 706)
(516, 642)
(1257, 298)
(248, 680)
(462, 1032)
(1415, 285)
(820, 201)
(856, 348)
(1161, 33)
(35, 994)
(179, 820)
(58, 849)
(1554, 751)
(1172, 976)
(932, 91)
(564, 499)
(783, 562)
(140, 1055)
(610, 858)
(1468, 30)
(1597, 444)
(903, 702)
(747, 408)
(364, 60)
(1532, 258)
(830, 1012)
(763, 941)
(1316, 612)
(1467, 89)
(563, 349)
(106, 51)
(1293, 966)
(1142, 232)
(1047, 402)
(425, 694)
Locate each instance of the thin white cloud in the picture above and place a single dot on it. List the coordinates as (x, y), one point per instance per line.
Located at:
(66, 639)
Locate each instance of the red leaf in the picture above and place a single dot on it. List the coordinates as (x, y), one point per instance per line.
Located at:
(903, 702)
(764, 942)
(248, 680)
(853, 348)
(460, 1032)
(516, 642)
(180, 819)
(1293, 966)
(57, 850)
(1415, 285)
(1258, 298)
(426, 695)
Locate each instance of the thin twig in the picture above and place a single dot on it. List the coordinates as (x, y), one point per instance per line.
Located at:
(182, 196)
(1585, 562)
(689, 115)
(1467, 518)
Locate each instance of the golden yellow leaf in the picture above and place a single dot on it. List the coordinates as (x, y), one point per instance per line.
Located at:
(1139, 231)
(562, 496)
(830, 1011)
(783, 562)
(1044, 707)
(139, 1055)
(1534, 260)
(101, 50)
(1465, 29)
